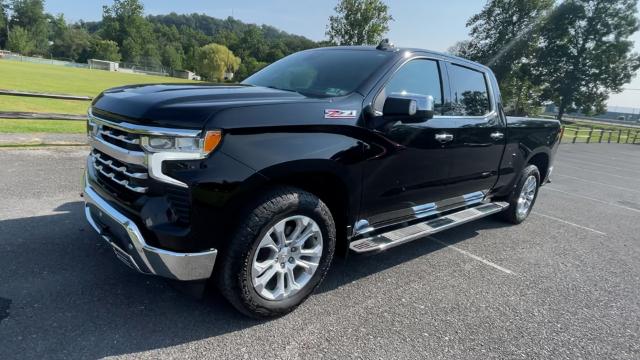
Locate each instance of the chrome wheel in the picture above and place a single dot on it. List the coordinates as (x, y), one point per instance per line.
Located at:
(286, 258)
(527, 195)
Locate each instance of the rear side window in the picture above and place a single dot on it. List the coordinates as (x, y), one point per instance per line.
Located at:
(469, 92)
(418, 77)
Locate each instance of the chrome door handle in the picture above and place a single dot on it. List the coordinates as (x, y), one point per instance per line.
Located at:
(497, 135)
(444, 137)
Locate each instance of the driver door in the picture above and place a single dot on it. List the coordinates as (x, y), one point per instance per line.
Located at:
(412, 172)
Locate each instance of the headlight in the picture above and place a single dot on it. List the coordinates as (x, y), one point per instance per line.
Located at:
(191, 145)
(92, 129)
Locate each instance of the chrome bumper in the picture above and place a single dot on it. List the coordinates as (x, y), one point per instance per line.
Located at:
(138, 254)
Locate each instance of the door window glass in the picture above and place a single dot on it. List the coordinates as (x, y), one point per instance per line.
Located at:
(417, 77)
(469, 92)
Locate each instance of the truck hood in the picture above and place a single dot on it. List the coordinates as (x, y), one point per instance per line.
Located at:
(185, 106)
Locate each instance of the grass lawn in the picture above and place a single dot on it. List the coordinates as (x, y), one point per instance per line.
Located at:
(42, 126)
(40, 105)
(25, 76)
(16, 75)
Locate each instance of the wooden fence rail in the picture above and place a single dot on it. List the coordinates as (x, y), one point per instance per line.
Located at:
(591, 135)
(44, 95)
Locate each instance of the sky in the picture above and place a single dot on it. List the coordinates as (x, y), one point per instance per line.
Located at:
(428, 24)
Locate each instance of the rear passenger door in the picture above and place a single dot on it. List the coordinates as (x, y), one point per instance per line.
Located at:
(476, 150)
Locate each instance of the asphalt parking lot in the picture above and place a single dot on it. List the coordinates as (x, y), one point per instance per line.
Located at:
(565, 284)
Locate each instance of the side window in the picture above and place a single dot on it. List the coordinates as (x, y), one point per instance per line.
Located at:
(469, 92)
(420, 77)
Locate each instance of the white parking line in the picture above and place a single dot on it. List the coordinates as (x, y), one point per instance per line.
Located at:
(592, 199)
(475, 257)
(570, 223)
(599, 183)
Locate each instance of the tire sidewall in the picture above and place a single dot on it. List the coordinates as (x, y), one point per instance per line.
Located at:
(303, 206)
(530, 170)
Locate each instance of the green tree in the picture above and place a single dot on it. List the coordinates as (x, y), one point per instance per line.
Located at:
(121, 19)
(151, 56)
(248, 67)
(252, 44)
(72, 43)
(505, 37)
(124, 23)
(4, 23)
(19, 41)
(172, 56)
(131, 50)
(586, 53)
(359, 22)
(30, 16)
(105, 50)
(213, 60)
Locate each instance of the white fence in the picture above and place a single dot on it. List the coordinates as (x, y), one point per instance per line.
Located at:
(123, 67)
(37, 60)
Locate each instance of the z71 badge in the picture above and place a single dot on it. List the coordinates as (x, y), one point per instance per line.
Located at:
(340, 114)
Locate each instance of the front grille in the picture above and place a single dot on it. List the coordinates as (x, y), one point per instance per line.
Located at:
(127, 176)
(120, 138)
(123, 167)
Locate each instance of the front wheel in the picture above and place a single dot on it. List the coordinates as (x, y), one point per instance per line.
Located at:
(524, 196)
(279, 255)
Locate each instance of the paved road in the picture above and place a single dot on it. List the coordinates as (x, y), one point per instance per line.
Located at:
(565, 284)
(42, 139)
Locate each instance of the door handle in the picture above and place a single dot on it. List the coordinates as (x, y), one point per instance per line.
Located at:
(444, 137)
(497, 135)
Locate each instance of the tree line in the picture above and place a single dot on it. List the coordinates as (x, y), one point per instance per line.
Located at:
(197, 42)
(573, 53)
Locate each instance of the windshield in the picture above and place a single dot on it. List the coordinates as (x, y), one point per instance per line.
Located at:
(326, 73)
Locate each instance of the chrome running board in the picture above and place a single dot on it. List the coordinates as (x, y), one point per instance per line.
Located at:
(414, 232)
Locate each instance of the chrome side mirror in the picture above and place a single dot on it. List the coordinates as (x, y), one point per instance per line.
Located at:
(409, 108)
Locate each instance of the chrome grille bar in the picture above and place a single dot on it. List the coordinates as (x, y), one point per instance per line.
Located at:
(144, 130)
(125, 183)
(122, 138)
(120, 169)
(118, 153)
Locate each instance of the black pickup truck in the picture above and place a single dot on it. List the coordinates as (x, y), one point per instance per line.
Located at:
(255, 186)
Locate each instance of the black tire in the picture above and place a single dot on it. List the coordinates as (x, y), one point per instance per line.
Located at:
(234, 274)
(511, 214)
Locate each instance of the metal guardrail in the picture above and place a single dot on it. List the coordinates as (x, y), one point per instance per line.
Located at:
(593, 135)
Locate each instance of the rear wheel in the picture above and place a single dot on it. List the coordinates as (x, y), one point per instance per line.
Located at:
(279, 255)
(523, 198)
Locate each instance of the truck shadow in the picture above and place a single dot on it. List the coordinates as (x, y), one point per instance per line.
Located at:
(65, 293)
(354, 267)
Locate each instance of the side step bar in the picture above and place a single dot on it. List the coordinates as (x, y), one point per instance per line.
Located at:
(404, 235)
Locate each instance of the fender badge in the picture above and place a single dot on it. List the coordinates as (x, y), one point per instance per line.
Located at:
(340, 114)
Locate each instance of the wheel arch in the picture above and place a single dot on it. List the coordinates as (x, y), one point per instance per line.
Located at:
(541, 160)
(324, 179)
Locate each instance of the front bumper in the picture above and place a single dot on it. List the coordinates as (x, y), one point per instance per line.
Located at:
(124, 236)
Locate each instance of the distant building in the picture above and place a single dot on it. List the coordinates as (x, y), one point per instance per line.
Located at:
(186, 74)
(4, 53)
(103, 65)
